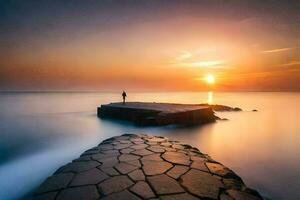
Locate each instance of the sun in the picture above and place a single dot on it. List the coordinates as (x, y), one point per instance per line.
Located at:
(210, 79)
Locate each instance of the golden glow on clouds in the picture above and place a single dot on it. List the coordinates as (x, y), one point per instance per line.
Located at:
(199, 59)
(207, 63)
(277, 50)
(292, 63)
(185, 55)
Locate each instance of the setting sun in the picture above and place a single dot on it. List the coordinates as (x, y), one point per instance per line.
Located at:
(210, 79)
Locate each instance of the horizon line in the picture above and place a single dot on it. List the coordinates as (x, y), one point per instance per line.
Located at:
(101, 91)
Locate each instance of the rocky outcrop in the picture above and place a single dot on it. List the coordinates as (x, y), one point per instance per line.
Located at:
(220, 108)
(158, 114)
(132, 167)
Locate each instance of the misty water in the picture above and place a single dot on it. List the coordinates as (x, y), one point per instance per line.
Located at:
(39, 132)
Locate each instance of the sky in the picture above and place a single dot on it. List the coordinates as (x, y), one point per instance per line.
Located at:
(150, 45)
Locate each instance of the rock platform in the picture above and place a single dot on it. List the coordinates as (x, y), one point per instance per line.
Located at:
(158, 114)
(132, 167)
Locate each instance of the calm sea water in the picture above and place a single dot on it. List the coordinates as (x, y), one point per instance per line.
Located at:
(39, 132)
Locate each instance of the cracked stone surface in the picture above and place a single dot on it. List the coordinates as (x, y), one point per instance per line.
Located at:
(156, 149)
(109, 171)
(177, 171)
(163, 184)
(217, 169)
(125, 168)
(142, 152)
(184, 196)
(142, 189)
(47, 196)
(115, 184)
(132, 167)
(199, 165)
(124, 195)
(177, 158)
(137, 175)
(79, 166)
(128, 157)
(202, 184)
(55, 182)
(155, 167)
(78, 193)
(93, 176)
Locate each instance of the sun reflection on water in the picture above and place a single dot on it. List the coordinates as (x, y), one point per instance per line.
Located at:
(210, 97)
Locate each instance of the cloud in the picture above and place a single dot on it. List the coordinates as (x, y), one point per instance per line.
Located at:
(193, 59)
(277, 50)
(204, 64)
(185, 55)
(292, 63)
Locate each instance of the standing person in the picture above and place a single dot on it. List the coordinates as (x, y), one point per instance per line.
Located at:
(124, 95)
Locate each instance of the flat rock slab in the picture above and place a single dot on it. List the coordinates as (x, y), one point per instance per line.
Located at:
(158, 114)
(144, 167)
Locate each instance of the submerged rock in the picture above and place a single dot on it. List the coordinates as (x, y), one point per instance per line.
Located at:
(224, 119)
(237, 109)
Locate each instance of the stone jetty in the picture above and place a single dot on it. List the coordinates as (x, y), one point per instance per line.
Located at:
(158, 114)
(132, 167)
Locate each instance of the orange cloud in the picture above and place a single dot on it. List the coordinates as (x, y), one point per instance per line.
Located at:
(278, 50)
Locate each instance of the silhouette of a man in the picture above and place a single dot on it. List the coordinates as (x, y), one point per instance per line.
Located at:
(124, 95)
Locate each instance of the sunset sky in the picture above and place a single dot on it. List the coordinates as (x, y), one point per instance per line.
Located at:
(150, 45)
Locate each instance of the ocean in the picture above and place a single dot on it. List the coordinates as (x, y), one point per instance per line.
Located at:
(40, 132)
